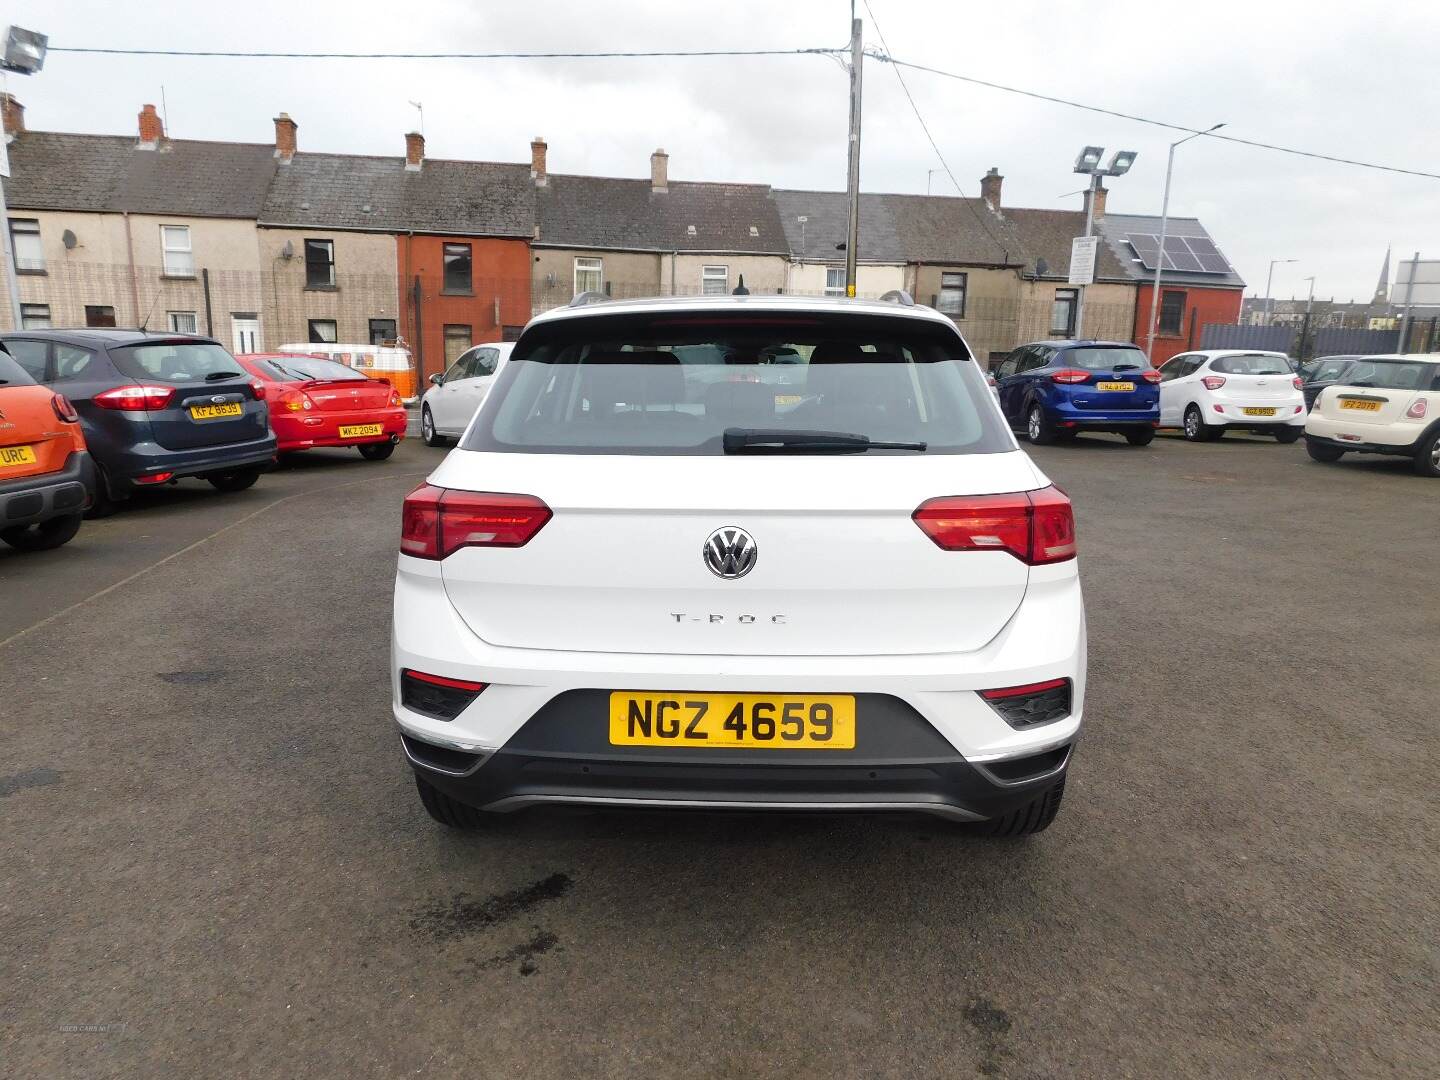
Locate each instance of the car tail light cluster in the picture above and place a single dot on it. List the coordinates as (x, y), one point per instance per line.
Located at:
(1070, 375)
(436, 522)
(259, 389)
(1297, 383)
(395, 401)
(296, 400)
(439, 696)
(1037, 527)
(1416, 410)
(1213, 382)
(139, 398)
(1151, 376)
(1031, 704)
(64, 410)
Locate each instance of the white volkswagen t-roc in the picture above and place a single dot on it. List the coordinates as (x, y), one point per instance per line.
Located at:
(757, 553)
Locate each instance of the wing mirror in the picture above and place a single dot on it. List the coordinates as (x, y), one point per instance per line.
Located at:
(436, 379)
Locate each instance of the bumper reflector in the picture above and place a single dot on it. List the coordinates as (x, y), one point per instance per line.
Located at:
(436, 696)
(1031, 704)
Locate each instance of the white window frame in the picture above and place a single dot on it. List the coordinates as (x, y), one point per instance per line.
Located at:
(588, 265)
(178, 261)
(31, 317)
(34, 261)
(831, 289)
(175, 319)
(712, 273)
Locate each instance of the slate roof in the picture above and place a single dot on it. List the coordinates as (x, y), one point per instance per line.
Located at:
(828, 221)
(463, 198)
(626, 215)
(54, 171)
(1046, 235)
(1114, 228)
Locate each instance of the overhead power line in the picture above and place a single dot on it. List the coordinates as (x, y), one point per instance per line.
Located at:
(611, 55)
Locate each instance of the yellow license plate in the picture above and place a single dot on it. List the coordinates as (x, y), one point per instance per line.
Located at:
(355, 431)
(788, 399)
(214, 412)
(751, 721)
(1123, 386)
(14, 456)
(1363, 406)
(1259, 412)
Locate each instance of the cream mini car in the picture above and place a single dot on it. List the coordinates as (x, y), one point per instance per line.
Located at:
(1385, 405)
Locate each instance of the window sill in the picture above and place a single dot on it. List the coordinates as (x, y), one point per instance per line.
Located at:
(176, 277)
(457, 292)
(31, 271)
(321, 288)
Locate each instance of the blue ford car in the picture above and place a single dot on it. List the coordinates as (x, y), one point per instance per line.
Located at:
(1057, 389)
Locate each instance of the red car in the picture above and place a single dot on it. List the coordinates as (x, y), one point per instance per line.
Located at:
(318, 402)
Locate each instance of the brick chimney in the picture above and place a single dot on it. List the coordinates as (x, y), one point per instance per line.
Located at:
(151, 130)
(659, 171)
(990, 188)
(414, 151)
(14, 114)
(1100, 194)
(537, 161)
(285, 129)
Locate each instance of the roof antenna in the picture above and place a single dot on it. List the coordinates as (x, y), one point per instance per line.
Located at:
(164, 111)
(146, 322)
(420, 108)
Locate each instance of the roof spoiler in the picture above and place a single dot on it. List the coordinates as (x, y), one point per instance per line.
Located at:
(588, 297)
(898, 296)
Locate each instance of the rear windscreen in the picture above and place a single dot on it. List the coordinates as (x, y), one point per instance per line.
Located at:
(1103, 358)
(306, 369)
(1251, 364)
(628, 384)
(174, 361)
(1393, 375)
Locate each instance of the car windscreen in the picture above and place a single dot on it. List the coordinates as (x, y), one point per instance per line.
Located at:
(306, 369)
(12, 374)
(175, 361)
(1393, 375)
(1251, 364)
(674, 384)
(1104, 358)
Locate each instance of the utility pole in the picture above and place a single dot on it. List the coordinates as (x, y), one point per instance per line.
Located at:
(1089, 228)
(1409, 294)
(852, 236)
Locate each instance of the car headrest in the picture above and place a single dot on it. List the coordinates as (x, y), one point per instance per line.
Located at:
(839, 352)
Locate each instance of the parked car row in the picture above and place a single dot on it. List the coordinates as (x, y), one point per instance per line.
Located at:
(125, 409)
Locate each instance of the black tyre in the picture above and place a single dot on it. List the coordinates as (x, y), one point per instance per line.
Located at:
(1034, 817)
(102, 504)
(1427, 455)
(1323, 451)
(428, 434)
(1196, 430)
(1140, 436)
(378, 451)
(238, 480)
(1289, 434)
(46, 535)
(1038, 427)
(446, 810)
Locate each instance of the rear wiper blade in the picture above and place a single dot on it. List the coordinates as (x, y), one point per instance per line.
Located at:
(779, 440)
(216, 376)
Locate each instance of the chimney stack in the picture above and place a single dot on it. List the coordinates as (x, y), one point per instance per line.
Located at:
(414, 151)
(659, 171)
(151, 130)
(537, 161)
(285, 138)
(990, 188)
(14, 114)
(1100, 194)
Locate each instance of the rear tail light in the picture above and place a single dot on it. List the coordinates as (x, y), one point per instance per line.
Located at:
(296, 400)
(436, 522)
(1037, 527)
(154, 478)
(259, 388)
(439, 696)
(395, 401)
(138, 398)
(1031, 704)
(1297, 383)
(64, 410)
(1151, 376)
(1069, 375)
(1213, 382)
(1416, 410)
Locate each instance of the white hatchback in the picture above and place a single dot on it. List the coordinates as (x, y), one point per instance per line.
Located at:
(452, 399)
(1383, 405)
(1208, 393)
(667, 568)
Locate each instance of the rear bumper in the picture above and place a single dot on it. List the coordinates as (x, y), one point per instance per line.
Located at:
(1362, 447)
(30, 500)
(1068, 415)
(1234, 416)
(149, 458)
(1365, 438)
(299, 431)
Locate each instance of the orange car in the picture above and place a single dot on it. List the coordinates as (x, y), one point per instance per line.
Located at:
(46, 475)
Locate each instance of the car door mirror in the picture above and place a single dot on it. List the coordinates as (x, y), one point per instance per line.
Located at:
(437, 379)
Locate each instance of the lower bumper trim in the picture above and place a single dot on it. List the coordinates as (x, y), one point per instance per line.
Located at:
(522, 802)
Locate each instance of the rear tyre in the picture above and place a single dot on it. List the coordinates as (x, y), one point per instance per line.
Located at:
(1034, 817)
(1289, 434)
(1140, 436)
(1038, 427)
(376, 451)
(238, 480)
(1196, 430)
(1427, 455)
(445, 810)
(1323, 451)
(101, 504)
(428, 435)
(44, 536)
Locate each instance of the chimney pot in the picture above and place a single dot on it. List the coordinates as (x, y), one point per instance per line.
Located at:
(414, 151)
(14, 114)
(660, 171)
(151, 130)
(537, 161)
(285, 137)
(990, 188)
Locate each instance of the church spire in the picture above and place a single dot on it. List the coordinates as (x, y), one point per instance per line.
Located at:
(1382, 290)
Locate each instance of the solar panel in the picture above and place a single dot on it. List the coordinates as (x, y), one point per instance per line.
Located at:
(1183, 254)
(1214, 264)
(1201, 246)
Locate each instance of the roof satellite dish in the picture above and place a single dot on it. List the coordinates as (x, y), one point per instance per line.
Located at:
(68, 239)
(1041, 268)
(288, 251)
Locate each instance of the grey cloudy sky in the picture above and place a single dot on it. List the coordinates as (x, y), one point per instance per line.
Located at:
(1352, 80)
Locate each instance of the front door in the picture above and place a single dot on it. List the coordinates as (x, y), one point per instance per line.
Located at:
(244, 334)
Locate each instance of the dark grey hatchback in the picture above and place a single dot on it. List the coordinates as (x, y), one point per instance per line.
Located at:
(154, 407)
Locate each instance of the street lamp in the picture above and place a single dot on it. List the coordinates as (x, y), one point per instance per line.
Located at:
(1164, 222)
(24, 54)
(1269, 301)
(1088, 164)
(929, 175)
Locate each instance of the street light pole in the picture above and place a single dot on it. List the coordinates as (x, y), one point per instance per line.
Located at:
(852, 236)
(1269, 300)
(1164, 223)
(1089, 227)
(1088, 164)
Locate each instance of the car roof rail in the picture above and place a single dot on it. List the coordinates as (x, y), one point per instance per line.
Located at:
(898, 296)
(590, 296)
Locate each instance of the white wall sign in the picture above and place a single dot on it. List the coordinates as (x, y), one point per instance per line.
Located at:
(1082, 259)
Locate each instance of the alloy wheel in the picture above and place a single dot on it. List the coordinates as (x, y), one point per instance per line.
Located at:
(427, 426)
(1033, 424)
(1192, 424)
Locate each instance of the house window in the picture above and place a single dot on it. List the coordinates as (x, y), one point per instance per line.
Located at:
(457, 268)
(181, 322)
(381, 331)
(35, 316)
(589, 275)
(952, 295)
(714, 280)
(1172, 313)
(834, 281)
(1062, 312)
(175, 251)
(320, 264)
(99, 315)
(25, 242)
(457, 340)
(322, 331)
